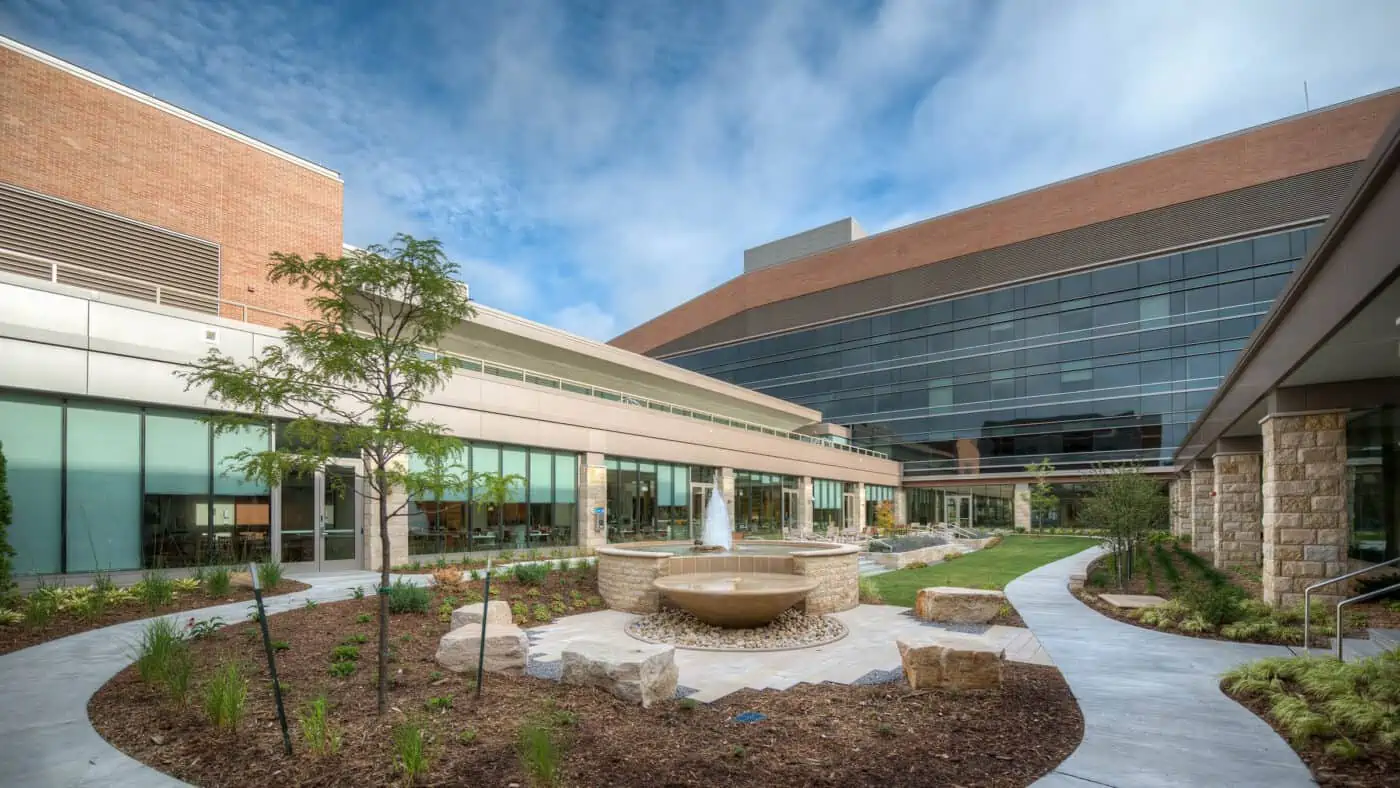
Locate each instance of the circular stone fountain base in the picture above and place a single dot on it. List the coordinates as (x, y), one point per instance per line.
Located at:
(790, 630)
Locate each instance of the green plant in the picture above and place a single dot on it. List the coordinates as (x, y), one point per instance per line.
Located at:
(532, 593)
(225, 695)
(439, 703)
(322, 737)
(1128, 505)
(530, 574)
(738, 751)
(363, 618)
(411, 754)
(345, 654)
(357, 638)
(358, 593)
(185, 585)
(541, 613)
(540, 754)
(160, 638)
(218, 581)
(558, 608)
(1213, 604)
(445, 612)
(198, 630)
(870, 592)
(405, 597)
(688, 704)
(436, 676)
(342, 669)
(467, 736)
(595, 601)
(281, 645)
(155, 590)
(310, 604)
(7, 552)
(505, 556)
(269, 575)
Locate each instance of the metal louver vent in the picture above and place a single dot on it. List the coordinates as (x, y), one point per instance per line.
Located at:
(49, 238)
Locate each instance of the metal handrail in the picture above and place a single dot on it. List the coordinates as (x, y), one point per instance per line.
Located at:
(1357, 598)
(480, 365)
(1307, 608)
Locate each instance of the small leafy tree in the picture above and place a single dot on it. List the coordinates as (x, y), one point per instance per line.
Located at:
(348, 379)
(7, 580)
(884, 518)
(1128, 505)
(1043, 498)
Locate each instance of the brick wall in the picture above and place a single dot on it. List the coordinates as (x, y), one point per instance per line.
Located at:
(1279, 150)
(86, 143)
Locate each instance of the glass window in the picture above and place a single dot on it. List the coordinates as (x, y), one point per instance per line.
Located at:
(1271, 249)
(565, 478)
(1200, 262)
(541, 476)
(104, 488)
(242, 507)
(1156, 307)
(31, 434)
(176, 507)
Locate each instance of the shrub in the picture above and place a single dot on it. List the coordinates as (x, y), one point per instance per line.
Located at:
(540, 754)
(870, 592)
(411, 751)
(405, 597)
(159, 640)
(218, 581)
(321, 735)
(154, 590)
(39, 608)
(269, 574)
(530, 574)
(439, 703)
(280, 645)
(558, 608)
(185, 585)
(541, 613)
(447, 577)
(364, 618)
(224, 696)
(342, 669)
(1214, 604)
(358, 593)
(358, 637)
(345, 654)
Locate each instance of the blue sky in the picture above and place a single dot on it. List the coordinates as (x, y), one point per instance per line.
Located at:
(591, 164)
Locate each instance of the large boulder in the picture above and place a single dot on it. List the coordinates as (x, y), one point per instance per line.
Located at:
(497, 612)
(950, 660)
(634, 671)
(958, 605)
(507, 649)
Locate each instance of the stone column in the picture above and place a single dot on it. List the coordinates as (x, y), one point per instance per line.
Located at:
(398, 528)
(804, 505)
(592, 494)
(1174, 490)
(1021, 507)
(860, 505)
(1238, 510)
(1305, 516)
(901, 507)
(724, 479)
(1202, 509)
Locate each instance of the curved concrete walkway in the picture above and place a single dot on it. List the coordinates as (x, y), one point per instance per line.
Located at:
(1153, 711)
(45, 737)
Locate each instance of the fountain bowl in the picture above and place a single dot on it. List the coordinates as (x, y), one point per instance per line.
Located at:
(735, 600)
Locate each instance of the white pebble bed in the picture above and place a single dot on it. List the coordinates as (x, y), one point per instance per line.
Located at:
(788, 631)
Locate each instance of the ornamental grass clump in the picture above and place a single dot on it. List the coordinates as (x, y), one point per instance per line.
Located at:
(322, 736)
(224, 696)
(411, 753)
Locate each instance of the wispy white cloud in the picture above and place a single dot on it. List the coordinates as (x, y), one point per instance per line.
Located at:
(593, 166)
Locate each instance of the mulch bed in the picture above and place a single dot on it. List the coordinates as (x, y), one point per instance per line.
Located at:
(1378, 768)
(1376, 614)
(812, 735)
(18, 636)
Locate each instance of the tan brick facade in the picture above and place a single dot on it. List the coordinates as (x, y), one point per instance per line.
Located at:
(1304, 504)
(1279, 150)
(1238, 511)
(1203, 510)
(69, 137)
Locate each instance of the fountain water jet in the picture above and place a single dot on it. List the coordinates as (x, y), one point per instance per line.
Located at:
(717, 532)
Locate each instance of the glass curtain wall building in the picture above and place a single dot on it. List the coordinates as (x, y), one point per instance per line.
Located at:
(541, 510)
(1109, 364)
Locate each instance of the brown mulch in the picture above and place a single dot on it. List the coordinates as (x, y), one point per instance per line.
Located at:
(1377, 768)
(18, 636)
(813, 735)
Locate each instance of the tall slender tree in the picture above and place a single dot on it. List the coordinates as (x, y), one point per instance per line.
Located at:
(1043, 499)
(348, 378)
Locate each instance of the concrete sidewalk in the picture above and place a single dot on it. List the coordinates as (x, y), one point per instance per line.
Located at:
(45, 737)
(1153, 711)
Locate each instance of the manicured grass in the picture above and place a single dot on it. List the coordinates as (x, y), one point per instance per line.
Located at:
(990, 568)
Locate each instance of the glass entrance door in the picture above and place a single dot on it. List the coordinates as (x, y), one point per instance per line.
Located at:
(849, 519)
(699, 501)
(317, 516)
(790, 521)
(958, 510)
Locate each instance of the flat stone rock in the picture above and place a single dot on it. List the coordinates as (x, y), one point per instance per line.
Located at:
(1132, 601)
(958, 605)
(633, 671)
(497, 612)
(951, 661)
(507, 649)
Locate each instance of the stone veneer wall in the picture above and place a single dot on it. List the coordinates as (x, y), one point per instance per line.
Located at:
(1238, 511)
(624, 581)
(1021, 507)
(1180, 520)
(1202, 510)
(1304, 504)
(839, 576)
(923, 554)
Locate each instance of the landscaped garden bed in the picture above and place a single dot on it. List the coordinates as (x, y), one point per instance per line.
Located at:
(51, 612)
(1342, 718)
(1206, 602)
(989, 568)
(469, 561)
(532, 731)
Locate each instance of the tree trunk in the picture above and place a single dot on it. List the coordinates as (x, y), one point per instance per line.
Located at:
(383, 597)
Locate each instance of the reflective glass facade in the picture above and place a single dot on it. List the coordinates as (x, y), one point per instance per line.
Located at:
(1109, 364)
(764, 503)
(974, 506)
(542, 510)
(1373, 484)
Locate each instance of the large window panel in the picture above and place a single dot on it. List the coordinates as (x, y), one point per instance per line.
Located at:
(104, 488)
(176, 506)
(242, 507)
(31, 431)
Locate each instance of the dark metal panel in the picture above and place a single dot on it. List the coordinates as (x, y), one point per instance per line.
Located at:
(1294, 199)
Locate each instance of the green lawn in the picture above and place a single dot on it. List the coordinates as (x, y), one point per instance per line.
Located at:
(990, 568)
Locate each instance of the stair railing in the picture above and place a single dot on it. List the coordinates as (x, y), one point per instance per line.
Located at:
(1358, 598)
(1307, 607)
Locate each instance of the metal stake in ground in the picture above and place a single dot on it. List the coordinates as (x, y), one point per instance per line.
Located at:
(271, 660)
(485, 606)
